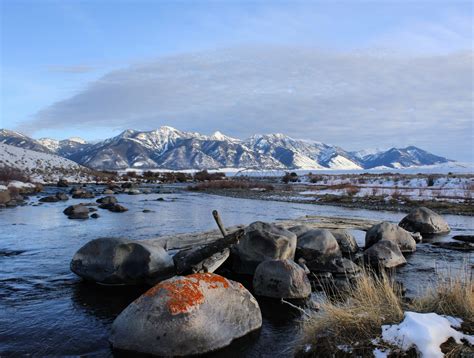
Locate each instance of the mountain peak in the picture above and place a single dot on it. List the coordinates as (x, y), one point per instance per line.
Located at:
(217, 135)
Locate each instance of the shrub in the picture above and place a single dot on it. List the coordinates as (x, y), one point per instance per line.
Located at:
(204, 175)
(231, 184)
(290, 178)
(352, 190)
(8, 174)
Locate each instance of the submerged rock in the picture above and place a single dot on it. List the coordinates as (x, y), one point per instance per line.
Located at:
(346, 241)
(384, 254)
(386, 231)
(262, 241)
(188, 315)
(317, 244)
(49, 199)
(281, 279)
(424, 221)
(122, 261)
(465, 238)
(77, 212)
(114, 207)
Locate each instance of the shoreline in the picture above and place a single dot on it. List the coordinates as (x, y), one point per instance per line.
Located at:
(463, 209)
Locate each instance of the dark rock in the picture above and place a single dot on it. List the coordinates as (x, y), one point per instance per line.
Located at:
(77, 212)
(453, 245)
(82, 194)
(49, 199)
(62, 196)
(147, 211)
(189, 315)
(384, 254)
(424, 221)
(95, 216)
(262, 241)
(107, 200)
(465, 238)
(281, 279)
(62, 183)
(317, 244)
(346, 241)
(122, 261)
(115, 208)
(390, 232)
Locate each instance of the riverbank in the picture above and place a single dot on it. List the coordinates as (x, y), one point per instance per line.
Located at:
(280, 193)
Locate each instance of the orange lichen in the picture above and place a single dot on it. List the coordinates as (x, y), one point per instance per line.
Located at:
(185, 293)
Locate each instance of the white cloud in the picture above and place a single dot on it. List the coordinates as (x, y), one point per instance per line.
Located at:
(355, 100)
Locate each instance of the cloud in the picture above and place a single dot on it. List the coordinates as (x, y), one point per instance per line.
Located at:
(71, 69)
(352, 99)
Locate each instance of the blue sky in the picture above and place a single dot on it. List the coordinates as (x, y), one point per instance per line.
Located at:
(94, 68)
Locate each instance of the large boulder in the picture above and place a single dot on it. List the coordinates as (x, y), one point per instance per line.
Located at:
(346, 241)
(77, 212)
(386, 231)
(82, 194)
(62, 196)
(188, 315)
(317, 244)
(262, 241)
(424, 221)
(299, 230)
(114, 207)
(122, 261)
(281, 279)
(5, 197)
(49, 199)
(384, 254)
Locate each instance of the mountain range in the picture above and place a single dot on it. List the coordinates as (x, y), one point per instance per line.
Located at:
(169, 148)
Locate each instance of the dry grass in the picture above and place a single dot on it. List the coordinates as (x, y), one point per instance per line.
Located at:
(356, 319)
(371, 302)
(451, 295)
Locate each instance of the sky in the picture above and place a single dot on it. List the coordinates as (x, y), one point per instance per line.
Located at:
(358, 74)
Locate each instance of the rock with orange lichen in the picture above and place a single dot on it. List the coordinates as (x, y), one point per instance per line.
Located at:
(186, 315)
(261, 242)
(122, 261)
(281, 279)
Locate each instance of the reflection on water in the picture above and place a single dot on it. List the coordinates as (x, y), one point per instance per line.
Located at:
(46, 310)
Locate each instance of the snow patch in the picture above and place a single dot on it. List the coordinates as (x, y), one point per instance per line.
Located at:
(424, 331)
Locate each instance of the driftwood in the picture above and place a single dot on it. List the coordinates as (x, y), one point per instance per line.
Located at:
(207, 258)
(201, 259)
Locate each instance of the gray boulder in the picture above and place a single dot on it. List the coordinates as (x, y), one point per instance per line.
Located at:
(108, 192)
(82, 194)
(299, 230)
(386, 231)
(114, 207)
(62, 196)
(49, 199)
(424, 221)
(122, 261)
(281, 279)
(262, 241)
(346, 241)
(384, 254)
(62, 183)
(188, 315)
(317, 244)
(338, 266)
(107, 200)
(77, 212)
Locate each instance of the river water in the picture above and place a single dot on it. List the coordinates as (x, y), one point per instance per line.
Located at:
(45, 310)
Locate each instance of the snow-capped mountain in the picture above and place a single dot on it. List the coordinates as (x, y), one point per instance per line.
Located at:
(169, 148)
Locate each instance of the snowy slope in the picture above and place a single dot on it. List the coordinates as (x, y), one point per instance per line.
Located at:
(42, 167)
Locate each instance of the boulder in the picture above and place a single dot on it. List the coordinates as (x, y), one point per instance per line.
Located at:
(5, 197)
(317, 244)
(62, 196)
(62, 183)
(116, 208)
(424, 221)
(386, 231)
(107, 200)
(108, 192)
(77, 212)
(281, 279)
(49, 199)
(122, 261)
(133, 192)
(95, 216)
(346, 241)
(299, 230)
(262, 241)
(186, 315)
(337, 266)
(82, 194)
(384, 254)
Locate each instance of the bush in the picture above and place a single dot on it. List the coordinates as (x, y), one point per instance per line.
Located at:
(290, 178)
(8, 174)
(204, 175)
(231, 184)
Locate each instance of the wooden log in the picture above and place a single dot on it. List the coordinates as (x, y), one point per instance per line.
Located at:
(219, 222)
(194, 259)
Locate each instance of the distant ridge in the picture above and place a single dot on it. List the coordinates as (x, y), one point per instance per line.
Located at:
(170, 148)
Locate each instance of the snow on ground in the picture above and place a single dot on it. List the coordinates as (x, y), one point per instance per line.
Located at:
(424, 331)
(42, 167)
